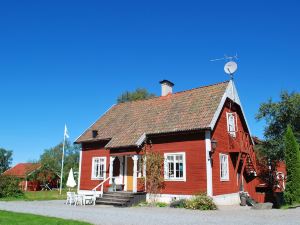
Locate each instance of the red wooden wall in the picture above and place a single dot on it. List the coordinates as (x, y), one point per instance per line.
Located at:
(88, 152)
(194, 147)
(221, 135)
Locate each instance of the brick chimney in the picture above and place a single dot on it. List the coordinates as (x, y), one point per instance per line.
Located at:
(166, 87)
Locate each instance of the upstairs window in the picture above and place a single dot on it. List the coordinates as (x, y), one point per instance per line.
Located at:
(98, 168)
(231, 124)
(224, 169)
(175, 166)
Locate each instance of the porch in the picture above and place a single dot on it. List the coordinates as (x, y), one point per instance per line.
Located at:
(125, 173)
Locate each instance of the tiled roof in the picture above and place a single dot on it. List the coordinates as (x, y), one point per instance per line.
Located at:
(22, 169)
(125, 123)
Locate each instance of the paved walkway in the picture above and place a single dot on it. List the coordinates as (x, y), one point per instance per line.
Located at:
(107, 215)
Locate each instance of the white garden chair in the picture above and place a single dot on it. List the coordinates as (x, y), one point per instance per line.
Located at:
(71, 198)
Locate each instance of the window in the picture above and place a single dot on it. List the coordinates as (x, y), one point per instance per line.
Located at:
(175, 166)
(98, 168)
(231, 124)
(224, 170)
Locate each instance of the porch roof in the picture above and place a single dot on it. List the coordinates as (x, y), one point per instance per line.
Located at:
(125, 124)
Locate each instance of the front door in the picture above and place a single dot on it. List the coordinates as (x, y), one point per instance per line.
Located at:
(129, 174)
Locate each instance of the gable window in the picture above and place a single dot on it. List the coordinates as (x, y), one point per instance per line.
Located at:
(98, 168)
(174, 166)
(224, 169)
(231, 124)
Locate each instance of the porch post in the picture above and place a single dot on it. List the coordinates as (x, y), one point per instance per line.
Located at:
(111, 167)
(135, 161)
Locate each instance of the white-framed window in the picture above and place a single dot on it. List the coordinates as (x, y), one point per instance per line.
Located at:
(175, 166)
(98, 168)
(224, 167)
(232, 123)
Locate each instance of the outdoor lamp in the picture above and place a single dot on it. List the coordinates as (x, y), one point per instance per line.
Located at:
(214, 144)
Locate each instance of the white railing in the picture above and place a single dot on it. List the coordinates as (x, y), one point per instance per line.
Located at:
(101, 186)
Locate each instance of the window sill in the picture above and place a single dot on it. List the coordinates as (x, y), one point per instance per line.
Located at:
(224, 180)
(100, 178)
(180, 180)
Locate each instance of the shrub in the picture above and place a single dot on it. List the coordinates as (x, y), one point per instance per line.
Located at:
(9, 187)
(178, 203)
(161, 204)
(200, 201)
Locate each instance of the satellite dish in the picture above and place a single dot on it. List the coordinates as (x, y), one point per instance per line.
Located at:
(230, 67)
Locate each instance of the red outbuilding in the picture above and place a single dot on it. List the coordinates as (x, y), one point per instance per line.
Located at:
(22, 171)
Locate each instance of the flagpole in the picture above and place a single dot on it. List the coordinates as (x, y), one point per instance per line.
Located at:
(62, 162)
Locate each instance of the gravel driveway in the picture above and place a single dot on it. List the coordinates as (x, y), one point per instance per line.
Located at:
(107, 215)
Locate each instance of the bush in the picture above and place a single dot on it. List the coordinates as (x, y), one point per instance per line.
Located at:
(178, 203)
(200, 201)
(161, 204)
(9, 187)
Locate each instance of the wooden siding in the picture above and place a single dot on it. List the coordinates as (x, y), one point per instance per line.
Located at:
(221, 135)
(194, 147)
(88, 152)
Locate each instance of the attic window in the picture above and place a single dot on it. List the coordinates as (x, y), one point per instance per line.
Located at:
(231, 124)
(94, 133)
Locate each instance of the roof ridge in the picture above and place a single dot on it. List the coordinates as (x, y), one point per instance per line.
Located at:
(179, 92)
(202, 87)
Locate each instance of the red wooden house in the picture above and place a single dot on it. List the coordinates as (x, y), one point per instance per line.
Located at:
(202, 133)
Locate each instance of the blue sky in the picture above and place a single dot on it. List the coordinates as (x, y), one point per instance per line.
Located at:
(67, 61)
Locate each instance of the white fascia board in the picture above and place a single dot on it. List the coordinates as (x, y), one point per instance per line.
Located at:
(231, 93)
(141, 140)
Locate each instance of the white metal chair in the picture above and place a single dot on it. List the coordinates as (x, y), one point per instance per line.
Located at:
(79, 199)
(71, 198)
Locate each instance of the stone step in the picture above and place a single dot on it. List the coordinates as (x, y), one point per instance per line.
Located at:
(114, 199)
(114, 203)
(117, 196)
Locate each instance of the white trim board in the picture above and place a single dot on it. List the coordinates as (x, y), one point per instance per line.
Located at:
(209, 183)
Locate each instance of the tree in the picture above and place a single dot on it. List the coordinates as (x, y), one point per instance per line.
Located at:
(292, 160)
(138, 94)
(277, 116)
(5, 159)
(51, 161)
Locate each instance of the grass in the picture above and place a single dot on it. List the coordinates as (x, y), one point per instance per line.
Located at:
(296, 205)
(12, 218)
(38, 196)
(152, 204)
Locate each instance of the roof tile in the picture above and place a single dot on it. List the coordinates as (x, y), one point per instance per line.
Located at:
(126, 122)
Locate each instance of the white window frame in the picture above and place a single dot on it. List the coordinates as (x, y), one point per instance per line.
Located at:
(166, 168)
(93, 177)
(235, 128)
(224, 178)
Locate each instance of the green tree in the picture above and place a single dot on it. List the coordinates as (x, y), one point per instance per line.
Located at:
(138, 94)
(51, 161)
(5, 159)
(292, 160)
(277, 116)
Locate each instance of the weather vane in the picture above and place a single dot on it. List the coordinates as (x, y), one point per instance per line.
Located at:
(231, 66)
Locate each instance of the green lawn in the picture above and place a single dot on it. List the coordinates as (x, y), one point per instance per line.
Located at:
(12, 218)
(39, 195)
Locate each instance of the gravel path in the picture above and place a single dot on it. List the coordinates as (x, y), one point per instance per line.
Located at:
(107, 215)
